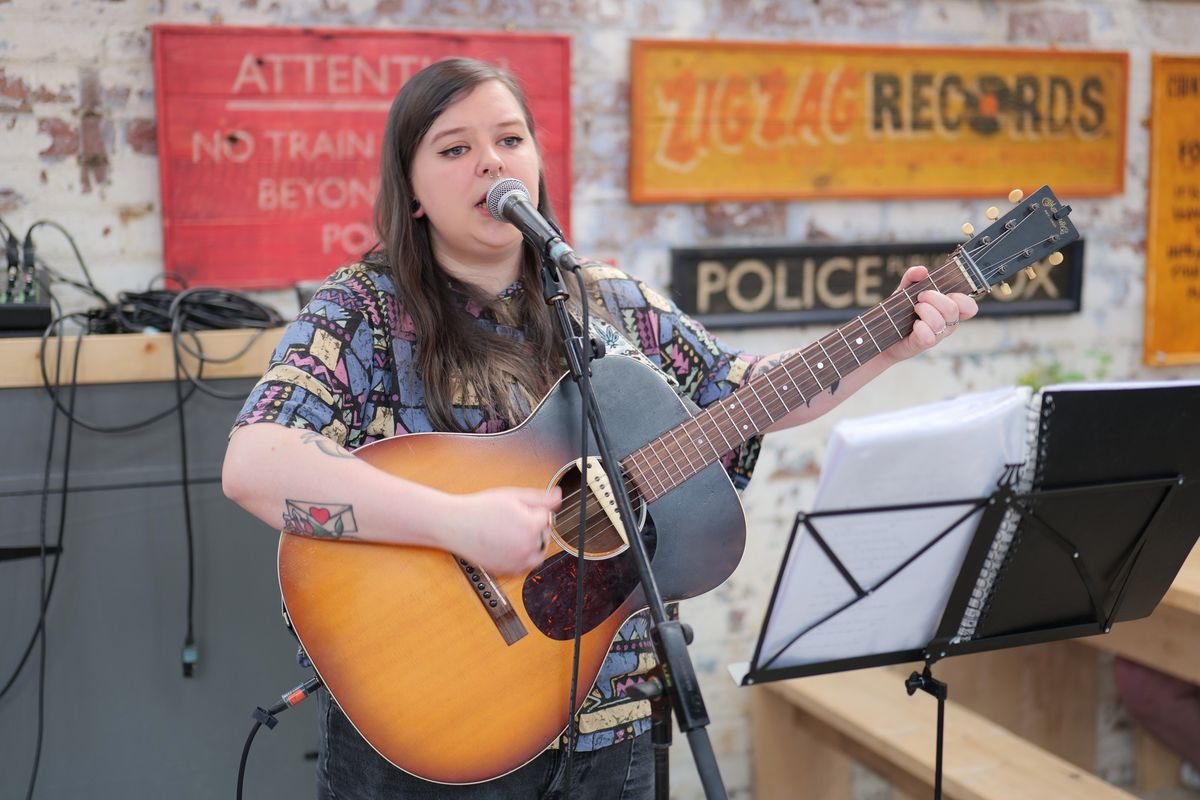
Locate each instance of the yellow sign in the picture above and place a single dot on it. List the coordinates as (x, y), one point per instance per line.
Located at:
(759, 121)
(1173, 218)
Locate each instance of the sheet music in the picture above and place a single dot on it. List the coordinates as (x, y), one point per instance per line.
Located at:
(955, 449)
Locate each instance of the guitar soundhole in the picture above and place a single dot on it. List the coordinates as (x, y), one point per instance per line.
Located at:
(604, 539)
(549, 591)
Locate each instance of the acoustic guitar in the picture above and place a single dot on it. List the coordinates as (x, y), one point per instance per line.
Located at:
(459, 676)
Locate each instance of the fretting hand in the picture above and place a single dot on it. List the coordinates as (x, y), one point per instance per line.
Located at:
(937, 316)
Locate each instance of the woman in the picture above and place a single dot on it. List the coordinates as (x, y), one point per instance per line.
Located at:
(437, 330)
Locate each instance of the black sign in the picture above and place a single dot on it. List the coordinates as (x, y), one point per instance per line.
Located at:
(758, 286)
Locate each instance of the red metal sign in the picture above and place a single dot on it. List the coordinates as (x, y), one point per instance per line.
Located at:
(269, 138)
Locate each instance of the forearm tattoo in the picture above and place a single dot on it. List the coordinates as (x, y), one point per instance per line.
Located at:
(326, 445)
(322, 520)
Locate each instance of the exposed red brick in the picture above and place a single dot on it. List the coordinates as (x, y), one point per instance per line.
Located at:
(141, 134)
(14, 94)
(1048, 26)
(64, 138)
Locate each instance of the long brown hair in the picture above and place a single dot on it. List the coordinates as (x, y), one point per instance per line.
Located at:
(456, 358)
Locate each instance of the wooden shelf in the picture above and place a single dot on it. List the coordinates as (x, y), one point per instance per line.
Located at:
(135, 357)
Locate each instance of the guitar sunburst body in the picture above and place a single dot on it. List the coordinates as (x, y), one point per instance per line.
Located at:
(404, 640)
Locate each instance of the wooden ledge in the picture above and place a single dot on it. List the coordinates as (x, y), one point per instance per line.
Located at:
(1169, 639)
(134, 357)
(867, 716)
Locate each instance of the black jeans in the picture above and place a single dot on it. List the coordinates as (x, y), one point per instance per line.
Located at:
(350, 769)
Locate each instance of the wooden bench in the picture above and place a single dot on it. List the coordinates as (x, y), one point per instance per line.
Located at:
(868, 717)
(1169, 639)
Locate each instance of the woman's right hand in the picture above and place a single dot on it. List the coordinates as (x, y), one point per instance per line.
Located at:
(503, 530)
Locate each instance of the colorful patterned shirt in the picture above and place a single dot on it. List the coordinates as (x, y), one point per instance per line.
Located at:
(346, 369)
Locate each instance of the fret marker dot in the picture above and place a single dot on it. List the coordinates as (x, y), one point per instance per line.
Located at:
(858, 340)
(745, 427)
(820, 365)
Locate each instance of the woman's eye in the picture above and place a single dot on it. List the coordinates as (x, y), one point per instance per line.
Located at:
(455, 151)
(512, 141)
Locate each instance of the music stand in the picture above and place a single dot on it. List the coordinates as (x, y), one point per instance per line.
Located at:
(1090, 532)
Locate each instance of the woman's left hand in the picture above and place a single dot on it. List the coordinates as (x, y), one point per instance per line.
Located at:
(938, 315)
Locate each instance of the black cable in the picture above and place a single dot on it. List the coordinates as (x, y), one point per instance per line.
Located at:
(48, 592)
(245, 756)
(44, 591)
(266, 716)
(91, 426)
(190, 654)
(74, 248)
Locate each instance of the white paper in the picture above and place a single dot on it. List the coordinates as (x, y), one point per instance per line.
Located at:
(952, 450)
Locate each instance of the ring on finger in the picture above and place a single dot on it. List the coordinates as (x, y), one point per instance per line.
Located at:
(950, 324)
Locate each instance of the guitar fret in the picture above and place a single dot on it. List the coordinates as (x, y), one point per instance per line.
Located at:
(728, 413)
(671, 455)
(653, 473)
(782, 401)
(753, 391)
(792, 378)
(698, 423)
(831, 362)
(810, 370)
(849, 347)
(931, 280)
(883, 305)
(684, 450)
(720, 432)
(863, 322)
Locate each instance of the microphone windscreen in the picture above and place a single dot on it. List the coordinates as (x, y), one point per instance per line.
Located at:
(499, 192)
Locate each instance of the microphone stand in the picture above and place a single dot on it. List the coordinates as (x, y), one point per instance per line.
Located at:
(670, 637)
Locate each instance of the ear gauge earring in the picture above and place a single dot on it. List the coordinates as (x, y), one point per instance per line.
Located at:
(416, 205)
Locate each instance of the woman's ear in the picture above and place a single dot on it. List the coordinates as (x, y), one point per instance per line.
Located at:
(417, 211)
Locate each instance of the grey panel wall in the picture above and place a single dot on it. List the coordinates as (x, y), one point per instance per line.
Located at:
(121, 720)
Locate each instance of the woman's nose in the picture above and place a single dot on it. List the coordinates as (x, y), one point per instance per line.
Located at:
(490, 165)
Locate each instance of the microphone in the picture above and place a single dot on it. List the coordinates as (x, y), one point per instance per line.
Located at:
(509, 201)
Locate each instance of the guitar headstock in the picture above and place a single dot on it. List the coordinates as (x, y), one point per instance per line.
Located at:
(1036, 227)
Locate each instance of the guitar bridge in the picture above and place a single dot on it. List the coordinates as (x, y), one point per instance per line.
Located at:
(494, 601)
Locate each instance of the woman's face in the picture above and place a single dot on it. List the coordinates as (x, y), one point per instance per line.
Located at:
(478, 139)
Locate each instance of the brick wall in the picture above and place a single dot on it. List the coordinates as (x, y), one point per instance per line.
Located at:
(77, 145)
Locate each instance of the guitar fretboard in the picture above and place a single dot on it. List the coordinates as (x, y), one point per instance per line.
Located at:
(661, 465)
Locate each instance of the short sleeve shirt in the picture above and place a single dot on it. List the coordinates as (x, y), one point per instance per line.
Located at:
(346, 368)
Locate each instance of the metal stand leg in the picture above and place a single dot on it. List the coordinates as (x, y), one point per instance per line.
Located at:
(930, 685)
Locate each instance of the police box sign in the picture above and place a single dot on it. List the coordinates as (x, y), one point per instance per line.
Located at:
(759, 286)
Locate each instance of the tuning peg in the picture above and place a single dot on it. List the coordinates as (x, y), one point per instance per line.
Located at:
(968, 229)
(1055, 258)
(993, 213)
(1015, 196)
(1005, 289)
(1030, 273)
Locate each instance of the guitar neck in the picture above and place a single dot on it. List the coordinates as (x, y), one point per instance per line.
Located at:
(681, 452)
